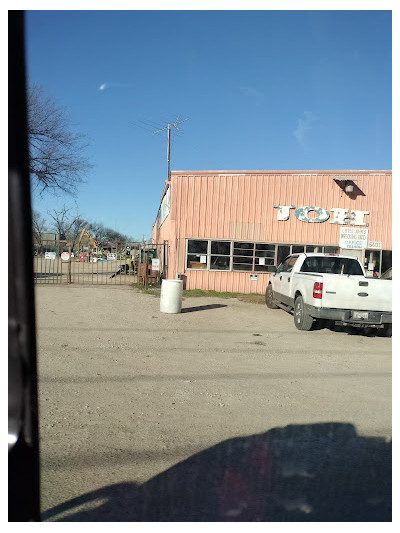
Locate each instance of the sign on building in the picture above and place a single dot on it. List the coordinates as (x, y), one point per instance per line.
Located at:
(65, 256)
(50, 255)
(375, 245)
(353, 238)
(111, 257)
(155, 264)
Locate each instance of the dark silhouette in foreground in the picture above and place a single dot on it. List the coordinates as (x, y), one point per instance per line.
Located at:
(299, 473)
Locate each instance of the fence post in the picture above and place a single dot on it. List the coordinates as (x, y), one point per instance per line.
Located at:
(69, 264)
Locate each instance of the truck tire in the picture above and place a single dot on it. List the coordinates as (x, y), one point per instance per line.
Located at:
(388, 330)
(302, 321)
(269, 298)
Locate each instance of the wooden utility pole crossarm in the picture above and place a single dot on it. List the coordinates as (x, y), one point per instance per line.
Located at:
(168, 129)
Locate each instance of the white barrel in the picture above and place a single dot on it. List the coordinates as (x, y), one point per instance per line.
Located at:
(171, 296)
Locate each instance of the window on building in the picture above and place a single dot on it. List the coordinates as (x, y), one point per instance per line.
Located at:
(243, 253)
(283, 252)
(331, 250)
(264, 257)
(197, 251)
(386, 260)
(207, 254)
(220, 258)
(296, 249)
(373, 261)
(313, 249)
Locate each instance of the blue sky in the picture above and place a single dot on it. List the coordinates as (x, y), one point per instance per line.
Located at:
(261, 90)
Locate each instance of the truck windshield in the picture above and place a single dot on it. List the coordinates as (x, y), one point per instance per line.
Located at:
(332, 265)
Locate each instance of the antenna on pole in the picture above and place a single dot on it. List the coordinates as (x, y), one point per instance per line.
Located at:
(168, 128)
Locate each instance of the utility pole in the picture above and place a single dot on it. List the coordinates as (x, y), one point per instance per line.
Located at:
(168, 128)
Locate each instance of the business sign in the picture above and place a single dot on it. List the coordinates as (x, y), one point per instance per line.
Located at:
(155, 264)
(377, 245)
(111, 257)
(353, 238)
(50, 255)
(315, 214)
(253, 277)
(65, 256)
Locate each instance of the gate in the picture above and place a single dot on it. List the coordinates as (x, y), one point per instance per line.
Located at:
(107, 263)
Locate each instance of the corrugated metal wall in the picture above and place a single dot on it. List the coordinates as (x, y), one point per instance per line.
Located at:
(240, 206)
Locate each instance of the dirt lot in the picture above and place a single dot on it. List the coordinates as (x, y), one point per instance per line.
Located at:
(127, 392)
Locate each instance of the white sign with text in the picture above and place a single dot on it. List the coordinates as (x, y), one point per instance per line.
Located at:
(155, 264)
(353, 238)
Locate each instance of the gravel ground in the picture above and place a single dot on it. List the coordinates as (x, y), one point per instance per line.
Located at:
(127, 392)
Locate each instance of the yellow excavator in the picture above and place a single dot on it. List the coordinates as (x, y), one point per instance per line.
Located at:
(97, 248)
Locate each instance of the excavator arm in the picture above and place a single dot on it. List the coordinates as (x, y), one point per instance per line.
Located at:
(91, 240)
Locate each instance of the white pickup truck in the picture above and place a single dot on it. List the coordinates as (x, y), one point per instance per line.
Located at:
(330, 287)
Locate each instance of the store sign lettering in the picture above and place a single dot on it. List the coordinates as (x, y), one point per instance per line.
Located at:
(339, 216)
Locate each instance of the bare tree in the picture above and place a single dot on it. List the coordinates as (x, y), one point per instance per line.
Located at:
(67, 225)
(101, 233)
(39, 227)
(97, 230)
(56, 153)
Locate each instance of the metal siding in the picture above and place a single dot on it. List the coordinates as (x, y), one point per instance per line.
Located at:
(237, 207)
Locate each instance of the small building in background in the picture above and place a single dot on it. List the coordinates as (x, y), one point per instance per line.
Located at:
(226, 230)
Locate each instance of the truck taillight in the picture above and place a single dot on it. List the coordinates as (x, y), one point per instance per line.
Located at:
(317, 290)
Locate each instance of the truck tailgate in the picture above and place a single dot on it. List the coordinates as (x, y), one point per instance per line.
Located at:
(356, 292)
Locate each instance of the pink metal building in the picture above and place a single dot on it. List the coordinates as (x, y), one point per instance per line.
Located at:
(226, 229)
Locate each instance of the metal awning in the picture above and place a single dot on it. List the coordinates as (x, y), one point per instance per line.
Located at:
(338, 178)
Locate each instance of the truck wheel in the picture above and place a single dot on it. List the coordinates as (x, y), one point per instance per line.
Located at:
(269, 298)
(302, 321)
(387, 330)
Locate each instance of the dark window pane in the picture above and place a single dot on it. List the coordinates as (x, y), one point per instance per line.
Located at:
(374, 257)
(265, 253)
(386, 259)
(244, 245)
(243, 251)
(219, 262)
(297, 249)
(331, 250)
(264, 268)
(197, 247)
(243, 260)
(240, 266)
(265, 247)
(313, 249)
(283, 252)
(193, 261)
(220, 247)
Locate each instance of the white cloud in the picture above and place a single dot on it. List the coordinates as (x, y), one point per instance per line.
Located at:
(105, 85)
